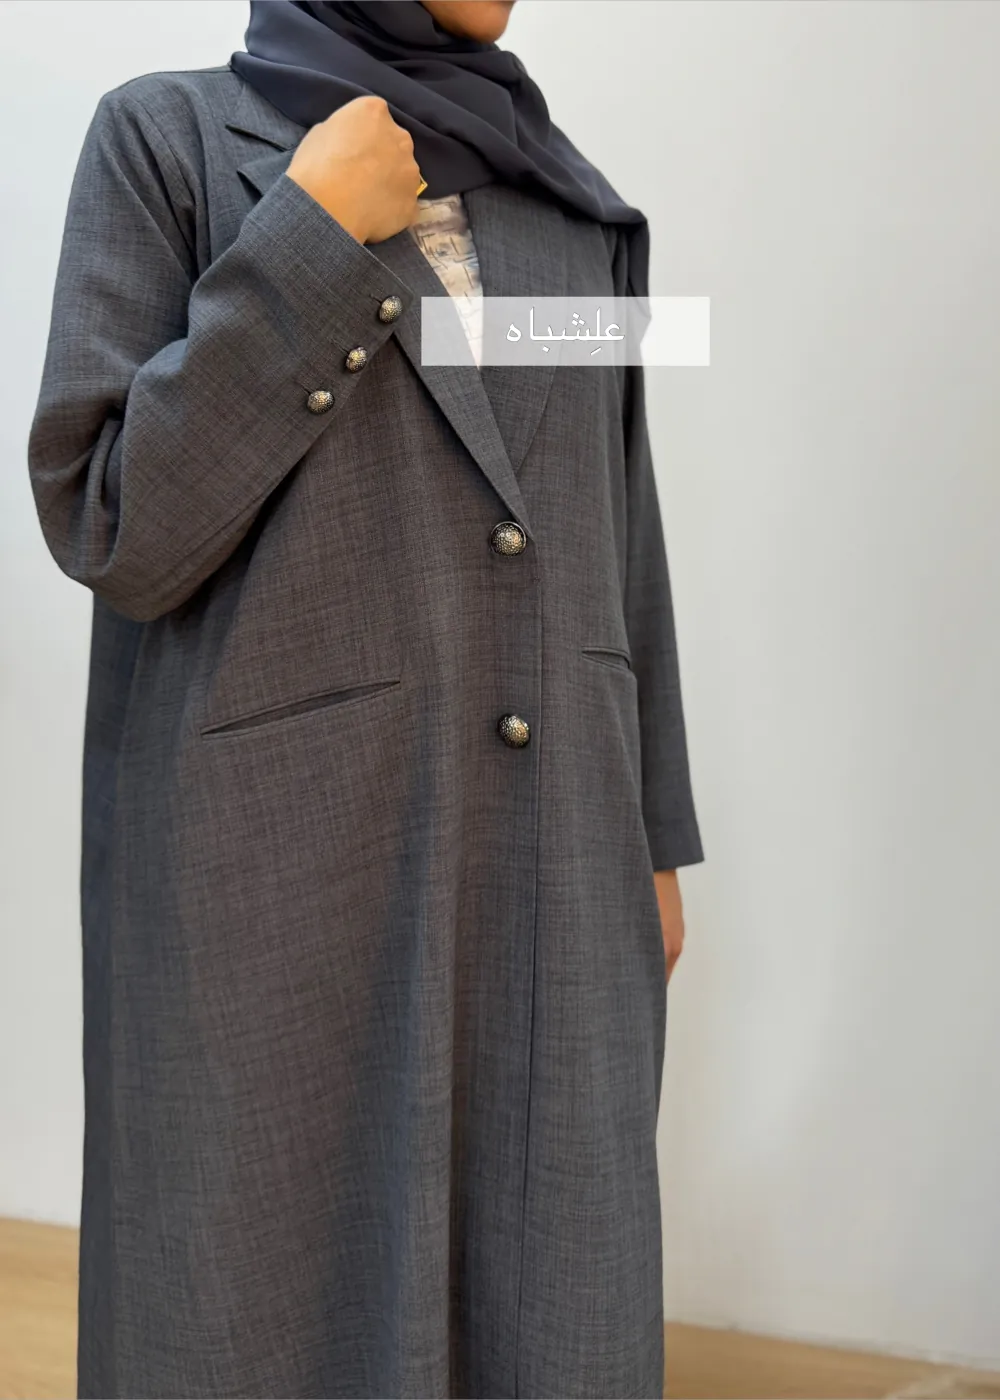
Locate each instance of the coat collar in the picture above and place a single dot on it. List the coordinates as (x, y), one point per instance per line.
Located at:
(252, 115)
(494, 411)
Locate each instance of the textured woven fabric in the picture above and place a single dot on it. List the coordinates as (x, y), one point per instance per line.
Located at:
(374, 1004)
(443, 235)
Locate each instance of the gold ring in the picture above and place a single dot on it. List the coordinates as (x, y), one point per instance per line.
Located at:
(421, 187)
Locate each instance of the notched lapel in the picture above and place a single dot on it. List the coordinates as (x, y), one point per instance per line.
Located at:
(264, 168)
(521, 243)
(252, 115)
(457, 389)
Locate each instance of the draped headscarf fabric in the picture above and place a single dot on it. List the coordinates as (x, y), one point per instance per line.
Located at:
(474, 113)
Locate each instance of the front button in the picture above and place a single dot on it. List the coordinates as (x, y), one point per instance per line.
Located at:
(356, 358)
(319, 401)
(513, 730)
(390, 309)
(507, 538)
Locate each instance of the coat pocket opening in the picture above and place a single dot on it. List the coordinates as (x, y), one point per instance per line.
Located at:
(614, 657)
(327, 700)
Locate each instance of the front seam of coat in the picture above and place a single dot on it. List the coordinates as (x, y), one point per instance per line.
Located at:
(531, 1031)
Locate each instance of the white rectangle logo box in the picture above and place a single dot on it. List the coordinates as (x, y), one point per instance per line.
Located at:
(585, 330)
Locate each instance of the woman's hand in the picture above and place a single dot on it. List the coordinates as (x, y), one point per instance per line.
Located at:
(358, 164)
(668, 892)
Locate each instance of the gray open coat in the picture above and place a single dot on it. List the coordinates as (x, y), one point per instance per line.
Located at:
(374, 1003)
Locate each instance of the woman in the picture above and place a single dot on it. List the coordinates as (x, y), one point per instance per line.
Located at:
(385, 781)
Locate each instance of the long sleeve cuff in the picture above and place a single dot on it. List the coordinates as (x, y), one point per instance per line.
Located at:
(675, 843)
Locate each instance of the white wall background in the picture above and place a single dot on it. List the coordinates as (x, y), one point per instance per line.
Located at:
(829, 174)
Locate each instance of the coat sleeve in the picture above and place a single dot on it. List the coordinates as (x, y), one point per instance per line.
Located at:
(668, 804)
(172, 404)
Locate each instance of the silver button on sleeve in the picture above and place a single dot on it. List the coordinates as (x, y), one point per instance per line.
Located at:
(319, 401)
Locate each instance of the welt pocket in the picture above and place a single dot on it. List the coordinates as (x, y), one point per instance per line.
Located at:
(614, 657)
(340, 699)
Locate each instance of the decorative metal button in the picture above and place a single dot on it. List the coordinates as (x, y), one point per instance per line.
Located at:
(319, 401)
(391, 309)
(513, 730)
(507, 538)
(356, 358)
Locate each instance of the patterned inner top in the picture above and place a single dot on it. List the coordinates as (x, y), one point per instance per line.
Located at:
(443, 236)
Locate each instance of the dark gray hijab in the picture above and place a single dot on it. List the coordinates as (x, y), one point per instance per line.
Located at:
(474, 114)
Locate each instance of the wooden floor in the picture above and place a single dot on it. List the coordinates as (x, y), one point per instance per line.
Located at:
(38, 1337)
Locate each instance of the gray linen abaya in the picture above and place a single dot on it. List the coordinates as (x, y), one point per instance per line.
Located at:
(374, 1001)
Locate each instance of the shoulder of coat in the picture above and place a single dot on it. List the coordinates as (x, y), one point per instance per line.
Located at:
(177, 101)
